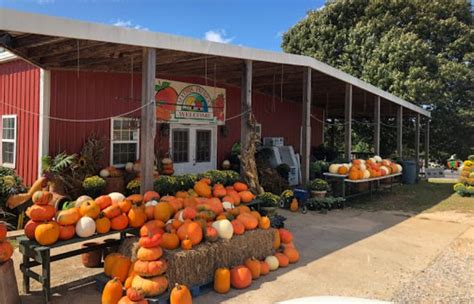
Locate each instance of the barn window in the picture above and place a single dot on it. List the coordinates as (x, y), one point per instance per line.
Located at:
(9, 126)
(124, 141)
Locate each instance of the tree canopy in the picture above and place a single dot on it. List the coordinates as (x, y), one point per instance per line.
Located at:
(421, 51)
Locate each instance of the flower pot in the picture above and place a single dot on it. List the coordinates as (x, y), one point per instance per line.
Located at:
(269, 210)
(91, 259)
(318, 193)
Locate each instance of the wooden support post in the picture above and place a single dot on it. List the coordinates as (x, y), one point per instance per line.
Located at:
(348, 123)
(400, 131)
(148, 120)
(427, 143)
(417, 141)
(306, 126)
(44, 110)
(323, 127)
(377, 126)
(246, 105)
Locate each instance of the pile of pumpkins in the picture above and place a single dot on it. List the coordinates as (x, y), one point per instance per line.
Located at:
(364, 169)
(167, 166)
(6, 249)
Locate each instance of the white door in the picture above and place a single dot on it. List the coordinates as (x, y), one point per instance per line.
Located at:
(193, 148)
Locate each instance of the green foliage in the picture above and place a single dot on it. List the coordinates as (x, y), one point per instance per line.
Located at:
(165, 185)
(58, 164)
(324, 204)
(318, 167)
(319, 185)
(10, 184)
(93, 185)
(419, 51)
(268, 199)
(133, 186)
(185, 182)
(224, 177)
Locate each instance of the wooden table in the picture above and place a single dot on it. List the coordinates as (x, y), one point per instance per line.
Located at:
(35, 254)
(343, 180)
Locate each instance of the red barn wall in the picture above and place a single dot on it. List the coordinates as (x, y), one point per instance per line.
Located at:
(19, 94)
(95, 95)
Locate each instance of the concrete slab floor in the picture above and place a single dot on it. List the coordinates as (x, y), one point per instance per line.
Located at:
(343, 253)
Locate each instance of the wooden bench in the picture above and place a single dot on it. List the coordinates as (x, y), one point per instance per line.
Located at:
(35, 254)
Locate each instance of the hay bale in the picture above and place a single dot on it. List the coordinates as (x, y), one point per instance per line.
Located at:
(196, 267)
(129, 247)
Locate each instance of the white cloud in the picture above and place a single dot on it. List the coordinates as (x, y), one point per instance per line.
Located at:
(217, 36)
(129, 24)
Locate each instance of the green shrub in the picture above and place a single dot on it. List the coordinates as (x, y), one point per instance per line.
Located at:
(165, 185)
(93, 186)
(268, 199)
(319, 185)
(10, 184)
(185, 182)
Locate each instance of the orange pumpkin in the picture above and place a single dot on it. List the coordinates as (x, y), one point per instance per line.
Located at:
(119, 222)
(243, 209)
(112, 211)
(256, 215)
(149, 254)
(235, 195)
(90, 209)
(151, 195)
(137, 216)
(151, 286)
(152, 227)
(103, 201)
(41, 213)
(189, 213)
(150, 241)
(222, 280)
(283, 260)
(135, 294)
(292, 254)
(66, 232)
(249, 221)
(342, 170)
(41, 197)
(211, 234)
(294, 205)
(112, 292)
(186, 244)
(254, 266)
(202, 189)
(30, 228)
(182, 194)
(163, 211)
(125, 206)
(240, 277)
(180, 294)
(239, 228)
(120, 268)
(102, 224)
(285, 236)
(276, 239)
(264, 268)
(150, 268)
(264, 223)
(192, 230)
(47, 233)
(170, 241)
(135, 198)
(68, 217)
(354, 174)
(219, 192)
(150, 212)
(239, 187)
(6, 251)
(126, 300)
(246, 196)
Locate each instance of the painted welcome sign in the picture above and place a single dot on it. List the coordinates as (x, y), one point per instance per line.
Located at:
(180, 102)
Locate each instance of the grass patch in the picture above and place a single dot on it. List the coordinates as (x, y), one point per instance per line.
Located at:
(421, 197)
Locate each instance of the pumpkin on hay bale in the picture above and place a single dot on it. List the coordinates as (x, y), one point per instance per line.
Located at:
(197, 266)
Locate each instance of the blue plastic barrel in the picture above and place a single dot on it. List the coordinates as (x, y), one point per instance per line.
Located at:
(409, 172)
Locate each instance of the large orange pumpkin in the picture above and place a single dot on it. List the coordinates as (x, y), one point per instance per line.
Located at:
(30, 228)
(246, 196)
(137, 216)
(254, 266)
(112, 211)
(41, 213)
(238, 186)
(151, 286)
(283, 260)
(264, 268)
(170, 241)
(240, 277)
(285, 236)
(68, 217)
(102, 224)
(66, 232)
(222, 280)
(112, 292)
(249, 221)
(235, 196)
(41, 197)
(163, 211)
(180, 294)
(192, 230)
(151, 195)
(150, 241)
(264, 223)
(239, 228)
(125, 206)
(120, 267)
(6, 251)
(202, 189)
(47, 233)
(152, 227)
(149, 254)
(150, 268)
(292, 254)
(90, 209)
(119, 222)
(103, 201)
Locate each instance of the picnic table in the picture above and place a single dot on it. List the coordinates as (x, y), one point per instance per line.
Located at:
(35, 254)
(343, 180)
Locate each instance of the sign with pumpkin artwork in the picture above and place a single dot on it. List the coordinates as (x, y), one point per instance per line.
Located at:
(180, 102)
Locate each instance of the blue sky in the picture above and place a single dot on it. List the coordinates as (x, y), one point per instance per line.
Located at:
(257, 23)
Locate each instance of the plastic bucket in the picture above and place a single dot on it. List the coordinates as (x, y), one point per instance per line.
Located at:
(409, 174)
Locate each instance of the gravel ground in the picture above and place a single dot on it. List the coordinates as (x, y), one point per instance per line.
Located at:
(448, 279)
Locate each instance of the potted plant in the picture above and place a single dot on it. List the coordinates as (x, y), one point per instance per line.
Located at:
(319, 187)
(93, 186)
(268, 202)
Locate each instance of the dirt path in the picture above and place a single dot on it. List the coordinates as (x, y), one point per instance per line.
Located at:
(344, 253)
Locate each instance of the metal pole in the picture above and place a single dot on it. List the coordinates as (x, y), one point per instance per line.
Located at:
(306, 126)
(348, 122)
(377, 125)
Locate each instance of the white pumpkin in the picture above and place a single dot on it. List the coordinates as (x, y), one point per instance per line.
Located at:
(362, 161)
(272, 262)
(85, 227)
(224, 228)
(362, 167)
(129, 167)
(372, 160)
(225, 164)
(400, 168)
(116, 197)
(104, 173)
(333, 168)
(82, 199)
(151, 203)
(227, 205)
(366, 174)
(377, 158)
(386, 162)
(166, 161)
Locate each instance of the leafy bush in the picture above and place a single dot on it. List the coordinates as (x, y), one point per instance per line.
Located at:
(224, 177)
(10, 184)
(93, 185)
(268, 199)
(319, 185)
(165, 185)
(185, 182)
(318, 167)
(133, 186)
(325, 203)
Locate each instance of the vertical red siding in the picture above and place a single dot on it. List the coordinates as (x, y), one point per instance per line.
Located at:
(89, 95)
(19, 94)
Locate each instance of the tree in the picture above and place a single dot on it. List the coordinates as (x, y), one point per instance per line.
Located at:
(420, 51)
